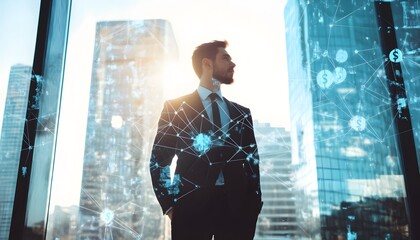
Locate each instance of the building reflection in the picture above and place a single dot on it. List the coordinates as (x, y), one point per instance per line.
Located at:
(348, 175)
(117, 201)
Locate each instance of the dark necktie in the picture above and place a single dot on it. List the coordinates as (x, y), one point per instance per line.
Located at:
(216, 114)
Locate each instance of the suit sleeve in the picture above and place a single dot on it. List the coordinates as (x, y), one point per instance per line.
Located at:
(163, 151)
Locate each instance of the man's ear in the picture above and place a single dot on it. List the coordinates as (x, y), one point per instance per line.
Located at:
(207, 64)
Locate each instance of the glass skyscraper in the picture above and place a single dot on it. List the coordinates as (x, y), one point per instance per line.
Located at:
(117, 201)
(278, 216)
(11, 141)
(342, 130)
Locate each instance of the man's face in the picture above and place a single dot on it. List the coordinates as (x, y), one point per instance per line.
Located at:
(223, 67)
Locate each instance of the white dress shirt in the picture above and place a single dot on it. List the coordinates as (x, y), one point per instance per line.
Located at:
(223, 108)
(224, 115)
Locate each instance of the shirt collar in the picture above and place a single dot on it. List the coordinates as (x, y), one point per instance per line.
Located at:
(204, 93)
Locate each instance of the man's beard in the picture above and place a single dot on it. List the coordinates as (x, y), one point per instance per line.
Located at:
(223, 79)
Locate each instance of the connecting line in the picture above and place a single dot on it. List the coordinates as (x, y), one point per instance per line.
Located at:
(90, 210)
(187, 193)
(124, 227)
(358, 9)
(93, 199)
(367, 62)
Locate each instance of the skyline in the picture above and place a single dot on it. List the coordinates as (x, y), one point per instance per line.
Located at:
(266, 45)
(261, 98)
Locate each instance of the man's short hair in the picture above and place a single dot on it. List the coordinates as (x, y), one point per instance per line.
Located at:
(206, 50)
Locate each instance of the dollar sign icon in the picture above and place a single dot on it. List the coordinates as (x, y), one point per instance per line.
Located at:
(340, 75)
(358, 123)
(325, 79)
(396, 55)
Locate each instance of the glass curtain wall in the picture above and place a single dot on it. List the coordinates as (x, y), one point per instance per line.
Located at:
(345, 151)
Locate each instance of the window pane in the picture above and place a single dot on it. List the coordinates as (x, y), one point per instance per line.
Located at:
(17, 46)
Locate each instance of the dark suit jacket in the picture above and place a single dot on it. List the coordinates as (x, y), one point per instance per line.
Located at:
(185, 131)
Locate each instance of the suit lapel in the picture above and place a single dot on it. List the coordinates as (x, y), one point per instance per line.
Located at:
(235, 116)
(197, 119)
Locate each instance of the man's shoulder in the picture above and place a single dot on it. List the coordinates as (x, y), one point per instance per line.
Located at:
(174, 102)
(183, 98)
(239, 107)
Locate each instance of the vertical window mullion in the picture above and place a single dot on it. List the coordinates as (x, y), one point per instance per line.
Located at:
(402, 123)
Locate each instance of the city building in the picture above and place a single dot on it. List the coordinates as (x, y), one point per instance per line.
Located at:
(343, 138)
(11, 141)
(278, 216)
(117, 200)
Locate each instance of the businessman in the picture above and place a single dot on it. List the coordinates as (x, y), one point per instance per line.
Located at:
(215, 191)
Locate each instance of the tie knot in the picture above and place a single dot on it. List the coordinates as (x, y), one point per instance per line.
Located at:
(213, 96)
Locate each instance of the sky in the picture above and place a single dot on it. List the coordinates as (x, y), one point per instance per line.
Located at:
(17, 44)
(254, 30)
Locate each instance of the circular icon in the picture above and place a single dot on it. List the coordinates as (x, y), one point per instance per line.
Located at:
(396, 55)
(202, 143)
(107, 216)
(341, 56)
(358, 123)
(340, 75)
(325, 79)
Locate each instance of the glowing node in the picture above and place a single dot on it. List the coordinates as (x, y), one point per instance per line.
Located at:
(325, 79)
(202, 143)
(107, 216)
(401, 103)
(358, 123)
(24, 171)
(396, 55)
(340, 75)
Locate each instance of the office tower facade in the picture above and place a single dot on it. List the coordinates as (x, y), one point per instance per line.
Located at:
(278, 216)
(343, 140)
(407, 18)
(126, 96)
(11, 141)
